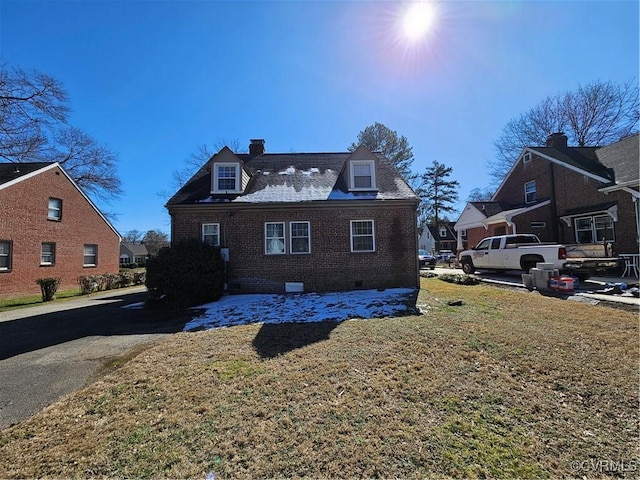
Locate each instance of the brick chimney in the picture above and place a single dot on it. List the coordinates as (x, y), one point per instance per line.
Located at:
(256, 147)
(557, 140)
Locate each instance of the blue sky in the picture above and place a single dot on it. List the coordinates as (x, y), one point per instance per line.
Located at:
(153, 80)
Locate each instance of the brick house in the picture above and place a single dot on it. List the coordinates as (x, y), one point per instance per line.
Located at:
(569, 195)
(302, 221)
(49, 228)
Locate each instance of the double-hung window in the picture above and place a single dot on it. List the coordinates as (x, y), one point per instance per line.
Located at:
(594, 229)
(274, 241)
(300, 239)
(362, 236)
(226, 177)
(530, 192)
(5, 255)
(48, 253)
(54, 211)
(211, 234)
(90, 255)
(363, 175)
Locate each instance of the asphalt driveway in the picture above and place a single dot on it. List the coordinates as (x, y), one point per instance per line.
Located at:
(50, 350)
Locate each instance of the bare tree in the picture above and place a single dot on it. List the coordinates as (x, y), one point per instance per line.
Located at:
(132, 236)
(34, 128)
(596, 114)
(379, 138)
(29, 104)
(480, 195)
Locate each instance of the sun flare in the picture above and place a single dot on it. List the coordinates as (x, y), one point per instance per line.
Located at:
(418, 20)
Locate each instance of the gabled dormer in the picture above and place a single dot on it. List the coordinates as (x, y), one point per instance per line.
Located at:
(228, 175)
(360, 169)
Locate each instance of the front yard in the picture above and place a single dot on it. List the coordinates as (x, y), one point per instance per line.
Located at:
(507, 384)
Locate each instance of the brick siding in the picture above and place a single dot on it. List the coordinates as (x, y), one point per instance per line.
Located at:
(331, 266)
(572, 190)
(23, 222)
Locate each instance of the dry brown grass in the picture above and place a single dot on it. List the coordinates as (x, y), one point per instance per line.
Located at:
(510, 384)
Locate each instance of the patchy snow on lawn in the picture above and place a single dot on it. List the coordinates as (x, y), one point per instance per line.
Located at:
(233, 310)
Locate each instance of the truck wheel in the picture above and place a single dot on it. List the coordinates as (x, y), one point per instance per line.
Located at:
(527, 266)
(467, 266)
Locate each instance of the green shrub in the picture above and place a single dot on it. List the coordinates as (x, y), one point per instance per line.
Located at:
(48, 287)
(186, 274)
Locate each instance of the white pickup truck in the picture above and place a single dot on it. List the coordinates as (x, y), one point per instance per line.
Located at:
(523, 251)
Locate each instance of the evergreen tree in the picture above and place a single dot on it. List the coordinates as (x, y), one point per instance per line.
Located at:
(438, 194)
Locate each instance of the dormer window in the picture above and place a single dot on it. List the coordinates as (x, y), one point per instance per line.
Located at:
(362, 175)
(226, 177)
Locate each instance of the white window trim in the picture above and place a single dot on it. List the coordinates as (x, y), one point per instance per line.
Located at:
(283, 238)
(57, 209)
(95, 255)
(373, 235)
(215, 244)
(593, 229)
(352, 182)
(53, 254)
(526, 158)
(8, 255)
(215, 177)
(535, 192)
(308, 237)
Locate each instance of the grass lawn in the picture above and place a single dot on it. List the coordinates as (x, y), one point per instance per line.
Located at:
(33, 300)
(508, 384)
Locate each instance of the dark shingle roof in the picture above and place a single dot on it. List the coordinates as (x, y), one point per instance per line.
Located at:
(584, 158)
(622, 157)
(136, 248)
(12, 171)
(295, 177)
(488, 208)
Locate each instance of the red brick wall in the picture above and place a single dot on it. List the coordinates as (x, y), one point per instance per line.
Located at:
(23, 221)
(572, 190)
(331, 266)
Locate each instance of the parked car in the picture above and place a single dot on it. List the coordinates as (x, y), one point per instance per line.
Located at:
(445, 256)
(524, 251)
(426, 259)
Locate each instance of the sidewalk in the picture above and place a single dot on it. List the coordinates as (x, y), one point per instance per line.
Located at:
(591, 288)
(92, 299)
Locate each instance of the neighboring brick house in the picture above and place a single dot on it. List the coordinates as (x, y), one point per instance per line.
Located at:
(570, 195)
(133, 253)
(302, 221)
(49, 228)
